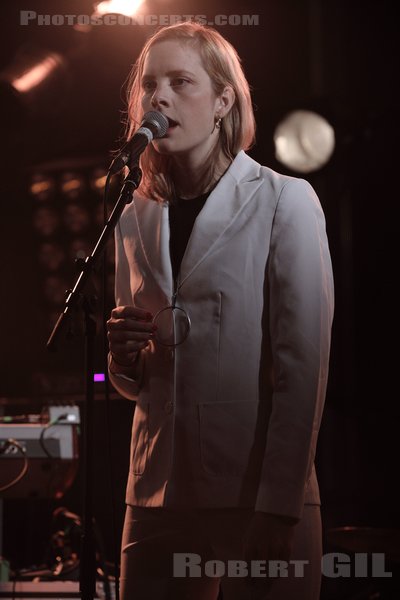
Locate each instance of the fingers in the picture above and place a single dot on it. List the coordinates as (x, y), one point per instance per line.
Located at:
(252, 553)
(129, 330)
(129, 347)
(130, 318)
(124, 342)
(128, 325)
(126, 354)
(131, 312)
(268, 538)
(124, 334)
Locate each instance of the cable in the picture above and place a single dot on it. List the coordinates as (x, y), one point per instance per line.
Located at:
(45, 428)
(7, 444)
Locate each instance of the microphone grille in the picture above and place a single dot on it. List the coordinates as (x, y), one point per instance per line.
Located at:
(157, 122)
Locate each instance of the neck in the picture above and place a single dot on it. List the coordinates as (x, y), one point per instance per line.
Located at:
(188, 177)
(187, 174)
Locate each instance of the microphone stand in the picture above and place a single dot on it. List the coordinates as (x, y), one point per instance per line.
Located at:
(76, 298)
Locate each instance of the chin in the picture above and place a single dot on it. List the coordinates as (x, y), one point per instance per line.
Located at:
(164, 146)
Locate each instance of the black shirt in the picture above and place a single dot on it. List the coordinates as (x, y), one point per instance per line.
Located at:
(182, 215)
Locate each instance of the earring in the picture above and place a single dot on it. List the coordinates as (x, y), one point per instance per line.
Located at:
(218, 123)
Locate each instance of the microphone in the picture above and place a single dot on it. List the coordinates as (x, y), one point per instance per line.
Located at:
(154, 125)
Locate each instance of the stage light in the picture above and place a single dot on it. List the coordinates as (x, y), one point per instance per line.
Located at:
(304, 141)
(76, 219)
(67, 214)
(128, 8)
(72, 185)
(35, 74)
(46, 221)
(98, 180)
(42, 187)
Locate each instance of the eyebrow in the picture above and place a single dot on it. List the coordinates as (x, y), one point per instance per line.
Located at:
(173, 73)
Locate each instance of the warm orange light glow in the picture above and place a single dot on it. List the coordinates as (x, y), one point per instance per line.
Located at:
(40, 187)
(120, 7)
(35, 75)
(100, 182)
(72, 185)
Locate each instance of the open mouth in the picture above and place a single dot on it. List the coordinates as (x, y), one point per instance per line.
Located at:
(172, 123)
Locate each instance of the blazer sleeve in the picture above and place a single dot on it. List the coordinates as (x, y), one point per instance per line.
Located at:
(126, 386)
(300, 317)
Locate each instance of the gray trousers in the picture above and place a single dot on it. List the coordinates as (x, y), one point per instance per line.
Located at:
(160, 545)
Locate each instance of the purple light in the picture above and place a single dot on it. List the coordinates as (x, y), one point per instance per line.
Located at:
(99, 377)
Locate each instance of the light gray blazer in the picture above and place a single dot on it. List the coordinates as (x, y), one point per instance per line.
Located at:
(231, 416)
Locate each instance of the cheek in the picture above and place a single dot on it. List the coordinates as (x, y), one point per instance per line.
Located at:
(206, 116)
(207, 106)
(146, 102)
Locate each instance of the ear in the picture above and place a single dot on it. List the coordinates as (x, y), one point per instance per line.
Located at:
(226, 101)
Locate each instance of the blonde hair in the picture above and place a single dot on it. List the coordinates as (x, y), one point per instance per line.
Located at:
(223, 65)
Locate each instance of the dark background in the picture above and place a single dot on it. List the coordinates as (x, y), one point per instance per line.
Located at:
(336, 57)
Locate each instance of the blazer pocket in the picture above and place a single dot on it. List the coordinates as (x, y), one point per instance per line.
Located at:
(140, 438)
(227, 437)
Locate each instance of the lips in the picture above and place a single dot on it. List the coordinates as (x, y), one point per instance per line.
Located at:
(171, 122)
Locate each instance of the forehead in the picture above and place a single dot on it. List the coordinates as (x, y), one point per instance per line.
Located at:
(173, 55)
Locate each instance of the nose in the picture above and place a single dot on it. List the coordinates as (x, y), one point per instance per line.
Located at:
(159, 97)
(158, 101)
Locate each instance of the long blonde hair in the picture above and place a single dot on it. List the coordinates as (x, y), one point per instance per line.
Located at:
(223, 65)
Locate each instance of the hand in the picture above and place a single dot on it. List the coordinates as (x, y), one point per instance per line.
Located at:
(268, 537)
(129, 331)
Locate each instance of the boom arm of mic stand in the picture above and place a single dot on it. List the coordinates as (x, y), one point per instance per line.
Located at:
(130, 184)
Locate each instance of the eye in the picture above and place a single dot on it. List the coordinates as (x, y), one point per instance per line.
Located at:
(179, 81)
(148, 85)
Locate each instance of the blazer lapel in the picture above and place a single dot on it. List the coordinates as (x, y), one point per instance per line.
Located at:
(231, 195)
(233, 192)
(153, 228)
